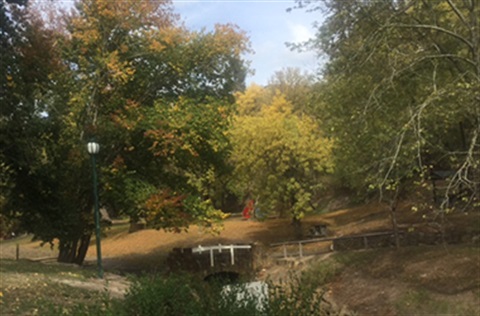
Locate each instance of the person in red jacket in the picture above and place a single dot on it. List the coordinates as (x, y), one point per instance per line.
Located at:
(248, 210)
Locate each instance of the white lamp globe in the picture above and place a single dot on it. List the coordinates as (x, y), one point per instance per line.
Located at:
(93, 148)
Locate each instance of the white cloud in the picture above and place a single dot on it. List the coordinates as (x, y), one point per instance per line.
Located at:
(300, 32)
(267, 24)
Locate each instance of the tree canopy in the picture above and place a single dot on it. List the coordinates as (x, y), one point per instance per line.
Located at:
(155, 95)
(279, 156)
(402, 89)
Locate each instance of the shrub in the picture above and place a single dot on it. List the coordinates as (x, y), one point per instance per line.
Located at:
(185, 296)
(167, 296)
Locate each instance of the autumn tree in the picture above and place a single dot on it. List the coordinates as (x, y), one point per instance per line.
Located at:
(28, 57)
(403, 82)
(156, 96)
(159, 95)
(10, 65)
(296, 86)
(279, 157)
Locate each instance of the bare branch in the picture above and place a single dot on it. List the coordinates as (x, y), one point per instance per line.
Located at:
(467, 60)
(461, 175)
(439, 29)
(458, 13)
(415, 117)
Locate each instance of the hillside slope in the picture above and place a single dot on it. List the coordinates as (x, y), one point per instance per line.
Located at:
(425, 279)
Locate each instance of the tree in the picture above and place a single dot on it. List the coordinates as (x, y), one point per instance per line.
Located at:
(28, 57)
(181, 150)
(166, 137)
(279, 156)
(154, 95)
(159, 96)
(297, 87)
(402, 93)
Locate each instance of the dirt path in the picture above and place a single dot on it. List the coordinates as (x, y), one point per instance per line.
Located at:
(114, 285)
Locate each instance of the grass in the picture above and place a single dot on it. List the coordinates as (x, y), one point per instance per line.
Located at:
(357, 259)
(423, 280)
(322, 272)
(32, 288)
(26, 267)
(422, 302)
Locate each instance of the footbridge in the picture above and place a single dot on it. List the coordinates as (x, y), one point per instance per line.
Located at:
(228, 260)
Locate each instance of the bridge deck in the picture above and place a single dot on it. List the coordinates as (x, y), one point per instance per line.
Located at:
(212, 259)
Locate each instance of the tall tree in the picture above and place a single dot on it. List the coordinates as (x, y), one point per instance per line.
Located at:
(154, 95)
(402, 92)
(28, 57)
(158, 95)
(405, 76)
(297, 87)
(279, 156)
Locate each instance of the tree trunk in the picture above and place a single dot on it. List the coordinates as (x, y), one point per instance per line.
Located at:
(74, 251)
(82, 249)
(297, 228)
(393, 217)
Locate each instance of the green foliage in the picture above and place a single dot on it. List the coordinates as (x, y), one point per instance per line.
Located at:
(297, 87)
(154, 95)
(103, 306)
(401, 92)
(279, 156)
(160, 97)
(321, 273)
(45, 171)
(296, 298)
(181, 295)
(162, 296)
(179, 156)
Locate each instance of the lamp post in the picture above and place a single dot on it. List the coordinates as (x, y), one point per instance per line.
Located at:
(93, 149)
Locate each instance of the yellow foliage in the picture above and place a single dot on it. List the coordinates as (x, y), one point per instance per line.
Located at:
(279, 156)
(279, 104)
(252, 100)
(157, 46)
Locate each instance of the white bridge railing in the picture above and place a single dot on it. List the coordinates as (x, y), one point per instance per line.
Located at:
(231, 248)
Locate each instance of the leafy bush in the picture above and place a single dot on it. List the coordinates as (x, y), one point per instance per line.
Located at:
(186, 296)
(182, 295)
(296, 298)
(176, 295)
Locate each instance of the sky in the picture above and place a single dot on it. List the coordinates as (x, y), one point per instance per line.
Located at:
(268, 25)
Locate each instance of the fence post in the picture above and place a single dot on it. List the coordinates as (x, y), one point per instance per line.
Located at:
(212, 260)
(17, 252)
(300, 249)
(232, 255)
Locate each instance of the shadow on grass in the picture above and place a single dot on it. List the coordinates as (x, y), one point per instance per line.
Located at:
(27, 266)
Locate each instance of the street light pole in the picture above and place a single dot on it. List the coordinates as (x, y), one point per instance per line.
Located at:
(93, 149)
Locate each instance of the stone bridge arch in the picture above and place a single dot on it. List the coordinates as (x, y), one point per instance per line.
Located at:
(233, 261)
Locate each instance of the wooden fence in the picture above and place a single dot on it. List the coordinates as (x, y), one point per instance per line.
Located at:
(300, 248)
(372, 240)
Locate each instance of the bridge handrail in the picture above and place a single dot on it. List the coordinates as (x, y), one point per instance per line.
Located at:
(315, 240)
(300, 243)
(220, 247)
